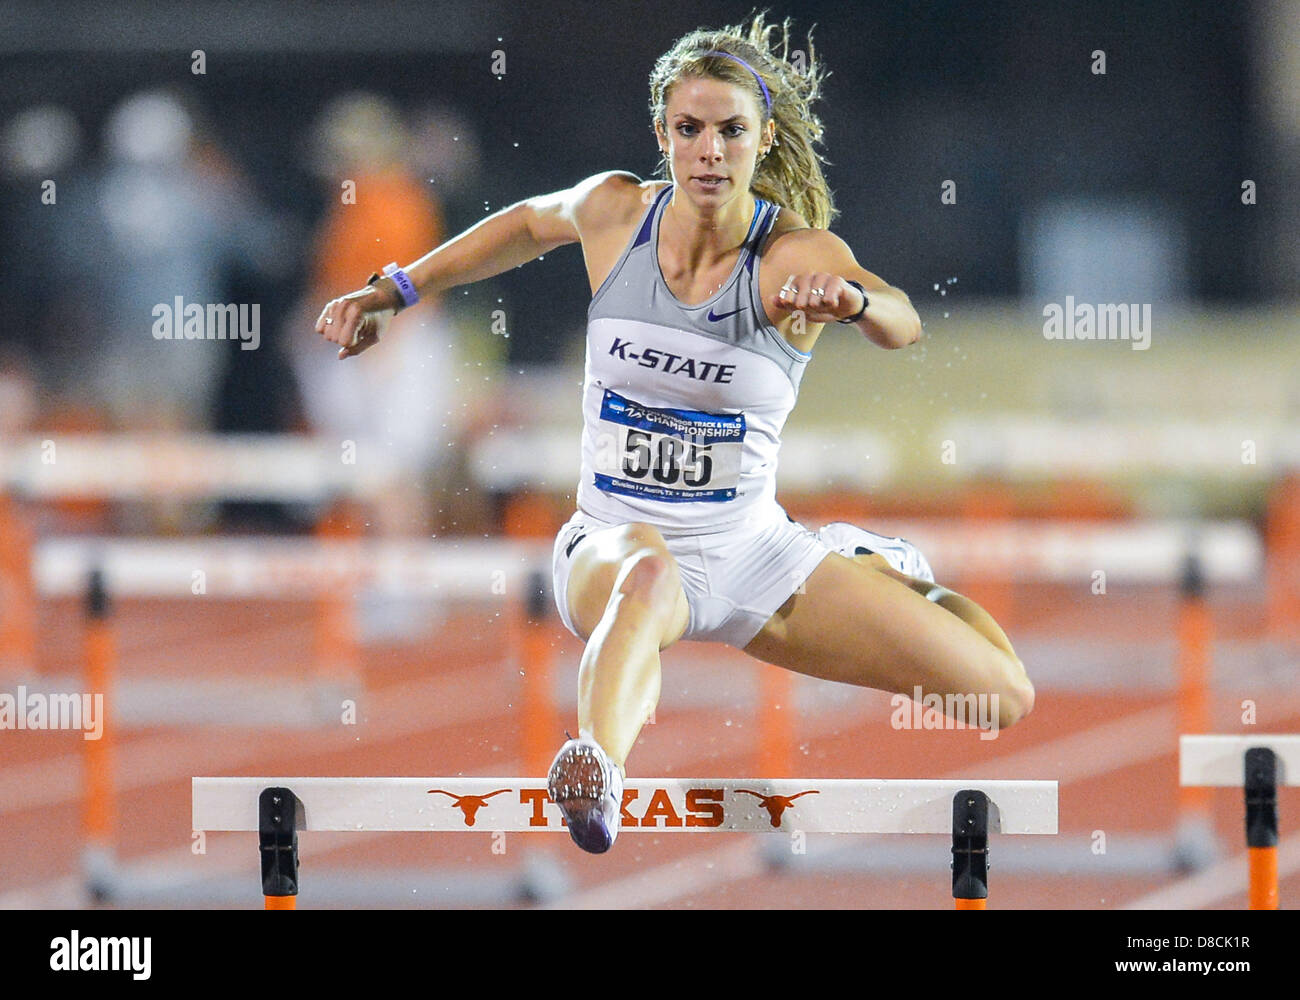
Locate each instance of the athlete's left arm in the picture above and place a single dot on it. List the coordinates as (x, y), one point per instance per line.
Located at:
(817, 259)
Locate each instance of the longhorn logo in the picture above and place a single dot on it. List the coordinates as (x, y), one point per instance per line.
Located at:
(775, 805)
(468, 804)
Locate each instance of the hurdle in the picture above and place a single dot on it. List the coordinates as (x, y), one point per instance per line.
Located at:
(1257, 764)
(967, 811)
(128, 468)
(313, 474)
(243, 568)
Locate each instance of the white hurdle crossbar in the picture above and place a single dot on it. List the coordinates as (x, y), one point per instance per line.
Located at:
(1256, 764)
(650, 805)
(271, 467)
(966, 810)
(1218, 761)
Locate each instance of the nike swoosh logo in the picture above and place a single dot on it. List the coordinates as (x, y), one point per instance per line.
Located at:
(714, 319)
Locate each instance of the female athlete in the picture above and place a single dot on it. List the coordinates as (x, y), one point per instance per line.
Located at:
(710, 289)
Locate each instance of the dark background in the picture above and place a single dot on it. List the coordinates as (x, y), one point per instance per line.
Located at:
(996, 96)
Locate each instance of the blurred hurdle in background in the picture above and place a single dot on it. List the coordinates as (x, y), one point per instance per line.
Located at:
(306, 569)
(166, 470)
(331, 571)
(967, 811)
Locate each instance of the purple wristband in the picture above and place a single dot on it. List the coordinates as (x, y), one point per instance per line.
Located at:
(405, 286)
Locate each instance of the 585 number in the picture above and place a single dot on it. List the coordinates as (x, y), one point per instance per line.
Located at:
(666, 459)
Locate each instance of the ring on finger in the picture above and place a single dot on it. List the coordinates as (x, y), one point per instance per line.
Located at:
(819, 292)
(329, 320)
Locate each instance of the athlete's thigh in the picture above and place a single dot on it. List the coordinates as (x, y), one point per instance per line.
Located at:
(853, 623)
(598, 562)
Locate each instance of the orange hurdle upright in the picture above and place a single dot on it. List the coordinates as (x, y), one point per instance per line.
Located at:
(776, 723)
(531, 638)
(99, 814)
(1283, 553)
(1195, 637)
(337, 640)
(17, 594)
(532, 641)
(990, 504)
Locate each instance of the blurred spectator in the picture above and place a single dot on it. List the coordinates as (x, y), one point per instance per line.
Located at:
(396, 400)
(174, 226)
(18, 405)
(51, 245)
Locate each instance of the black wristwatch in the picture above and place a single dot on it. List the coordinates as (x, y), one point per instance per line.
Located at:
(858, 315)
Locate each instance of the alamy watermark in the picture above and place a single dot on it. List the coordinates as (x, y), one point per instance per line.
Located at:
(180, 320)
(89, 953)
(39, 710)
(1104, 321)
(945, 711)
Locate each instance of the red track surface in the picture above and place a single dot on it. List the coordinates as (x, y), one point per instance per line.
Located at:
(445, 705)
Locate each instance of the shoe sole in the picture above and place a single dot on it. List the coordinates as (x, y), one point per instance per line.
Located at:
(573, 771)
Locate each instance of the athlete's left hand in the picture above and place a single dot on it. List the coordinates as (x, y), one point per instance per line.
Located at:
(823, 298)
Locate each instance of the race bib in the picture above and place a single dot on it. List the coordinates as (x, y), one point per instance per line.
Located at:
(665, 454)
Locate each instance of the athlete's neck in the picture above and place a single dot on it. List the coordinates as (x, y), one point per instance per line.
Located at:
(703, 236)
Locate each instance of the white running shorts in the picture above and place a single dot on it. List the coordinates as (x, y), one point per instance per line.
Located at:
(736, 579)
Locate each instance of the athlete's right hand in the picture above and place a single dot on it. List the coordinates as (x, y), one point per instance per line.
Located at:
(355, 321)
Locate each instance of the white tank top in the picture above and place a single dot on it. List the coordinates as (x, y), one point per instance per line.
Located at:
(683, 406)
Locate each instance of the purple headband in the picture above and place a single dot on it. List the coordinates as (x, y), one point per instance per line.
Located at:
(766, 96)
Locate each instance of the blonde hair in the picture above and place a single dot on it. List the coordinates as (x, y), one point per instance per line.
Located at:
(791, 173)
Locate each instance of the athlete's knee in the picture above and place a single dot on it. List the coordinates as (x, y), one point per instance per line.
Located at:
(648, 575)
(1018, 700)
(638, 535)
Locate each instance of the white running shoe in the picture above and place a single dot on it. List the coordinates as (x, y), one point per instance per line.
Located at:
(850, 540)
(588, 788)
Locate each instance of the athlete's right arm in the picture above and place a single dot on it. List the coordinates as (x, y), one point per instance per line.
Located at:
(506, 239)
